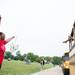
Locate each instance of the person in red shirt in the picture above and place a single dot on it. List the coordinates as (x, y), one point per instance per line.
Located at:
(3, 42)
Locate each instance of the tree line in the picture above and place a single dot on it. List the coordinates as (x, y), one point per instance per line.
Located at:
(30, 57)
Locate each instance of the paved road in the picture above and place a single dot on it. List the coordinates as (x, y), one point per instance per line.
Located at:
(53, 71)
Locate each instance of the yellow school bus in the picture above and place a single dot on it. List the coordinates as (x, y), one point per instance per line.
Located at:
(69, 62)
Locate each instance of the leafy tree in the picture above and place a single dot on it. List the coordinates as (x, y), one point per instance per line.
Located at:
(8, 55)
(18, 55)
(56, 60)
(35, 57)
(48, 59)
(38, 59)
(16, 58)
(31, 57)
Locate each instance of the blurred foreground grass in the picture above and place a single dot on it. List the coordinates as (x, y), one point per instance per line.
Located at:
(20, 68)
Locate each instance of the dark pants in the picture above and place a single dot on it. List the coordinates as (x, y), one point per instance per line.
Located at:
(0, 66)
(66, 72)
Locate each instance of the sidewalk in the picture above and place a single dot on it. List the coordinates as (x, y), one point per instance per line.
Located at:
(53, 71)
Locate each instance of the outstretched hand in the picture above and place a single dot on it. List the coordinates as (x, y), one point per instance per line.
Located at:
(70, 39)
(9, 39)
(64, 41)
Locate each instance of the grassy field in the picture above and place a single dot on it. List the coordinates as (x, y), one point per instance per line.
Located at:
(20, 68)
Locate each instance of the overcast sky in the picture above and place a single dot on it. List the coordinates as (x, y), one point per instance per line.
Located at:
(39, 26)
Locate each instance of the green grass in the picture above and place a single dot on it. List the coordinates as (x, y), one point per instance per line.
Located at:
(20, 68)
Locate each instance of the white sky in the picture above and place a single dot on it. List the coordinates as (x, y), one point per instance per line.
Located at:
(39, 26)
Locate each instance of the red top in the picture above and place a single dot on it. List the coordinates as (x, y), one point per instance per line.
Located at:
(2, 47)
(2, 50)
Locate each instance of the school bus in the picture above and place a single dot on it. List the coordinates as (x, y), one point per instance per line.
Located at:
(69, 62)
